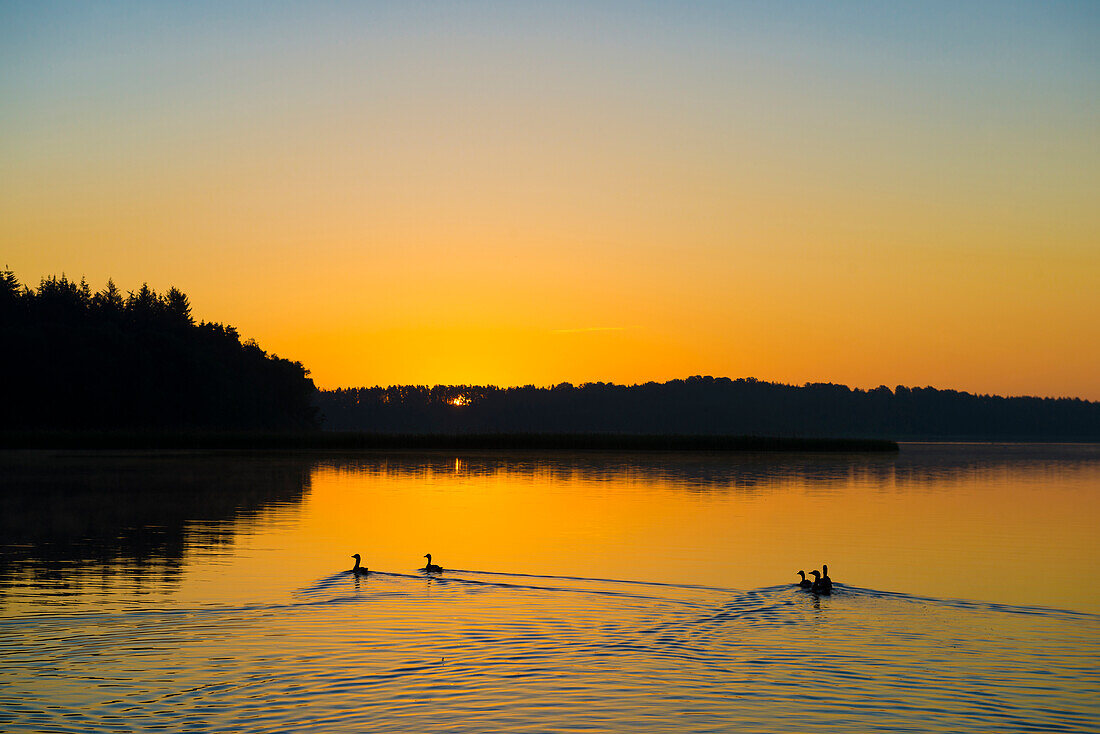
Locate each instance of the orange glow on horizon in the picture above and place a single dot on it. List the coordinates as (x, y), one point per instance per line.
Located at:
(498, 198)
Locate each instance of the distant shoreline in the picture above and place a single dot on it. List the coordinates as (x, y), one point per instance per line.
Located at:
(350, 440)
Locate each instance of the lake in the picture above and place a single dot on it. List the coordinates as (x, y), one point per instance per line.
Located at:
(202, 591)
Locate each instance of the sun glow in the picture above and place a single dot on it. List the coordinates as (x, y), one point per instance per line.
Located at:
(459, 401)
(563, 192)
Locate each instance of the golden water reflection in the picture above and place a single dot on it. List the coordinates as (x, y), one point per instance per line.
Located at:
(202, 591)
(1009, 524)
(1005, 524)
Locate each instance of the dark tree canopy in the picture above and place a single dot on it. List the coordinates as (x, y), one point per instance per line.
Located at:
(710, 406)
(77, 360)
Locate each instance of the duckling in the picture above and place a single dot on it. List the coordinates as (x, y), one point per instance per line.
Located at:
(357, 569)
(819, 585)
(431, 567)
(805, 583)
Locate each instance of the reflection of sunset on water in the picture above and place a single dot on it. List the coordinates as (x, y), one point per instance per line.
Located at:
(922, 524)
(572, 581)
(944, 521)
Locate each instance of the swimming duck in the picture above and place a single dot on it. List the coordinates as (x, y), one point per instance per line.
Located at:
(826, 582)
(820, 585)
(431, 567)
(357, 569)
(805, 583)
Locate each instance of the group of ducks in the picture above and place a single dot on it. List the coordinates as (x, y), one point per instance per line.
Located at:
(821, 584)
(359, 570)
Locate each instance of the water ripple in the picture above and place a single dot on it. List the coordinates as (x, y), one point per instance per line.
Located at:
(417, 653)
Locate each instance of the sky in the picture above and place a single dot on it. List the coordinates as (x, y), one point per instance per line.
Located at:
(530, 193)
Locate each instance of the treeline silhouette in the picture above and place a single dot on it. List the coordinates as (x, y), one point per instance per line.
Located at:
(78, 360)
(710, 406)
(84, 362)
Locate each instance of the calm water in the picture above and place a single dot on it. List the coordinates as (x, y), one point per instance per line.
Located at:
(595, 592)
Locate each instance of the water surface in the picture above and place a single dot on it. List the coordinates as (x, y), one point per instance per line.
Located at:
(594, 592)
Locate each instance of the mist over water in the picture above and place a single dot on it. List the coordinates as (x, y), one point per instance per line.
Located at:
(596, 592)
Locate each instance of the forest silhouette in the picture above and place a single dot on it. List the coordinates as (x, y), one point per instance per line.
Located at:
(87, 362)
(705, 406)
(78, 360)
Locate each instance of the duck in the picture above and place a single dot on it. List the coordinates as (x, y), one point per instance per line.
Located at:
(431, 567)
(826, 582)
(820, 586)
(357, 569)
(805, 583)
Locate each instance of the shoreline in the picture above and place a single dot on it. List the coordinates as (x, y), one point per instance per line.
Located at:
(344, 440)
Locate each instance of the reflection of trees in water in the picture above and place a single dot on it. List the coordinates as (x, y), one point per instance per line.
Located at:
(79, 521)
(914, 466)
(71, 523)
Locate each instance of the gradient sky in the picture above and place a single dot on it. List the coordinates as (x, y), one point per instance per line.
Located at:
(511, 193)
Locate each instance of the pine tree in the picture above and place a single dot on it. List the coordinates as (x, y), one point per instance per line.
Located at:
(144, 305)
(109, 300)
(177, 306)
(9, 288)
(85, 292)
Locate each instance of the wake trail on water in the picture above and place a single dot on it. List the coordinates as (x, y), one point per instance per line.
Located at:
(967, 604)
(386, 640)
(768, 601)
(720, 605)
(597, 579)
(335, 581)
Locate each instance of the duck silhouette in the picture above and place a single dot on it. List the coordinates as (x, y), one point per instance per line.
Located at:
(805, 583)
(820, 585)
(431, 567)
(357, 569)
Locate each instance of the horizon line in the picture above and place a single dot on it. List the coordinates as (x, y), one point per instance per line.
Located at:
(892, 390)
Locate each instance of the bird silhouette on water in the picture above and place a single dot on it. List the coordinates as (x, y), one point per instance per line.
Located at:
(431, 567)
(821, 584)
(357, 569)
(805, 583)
